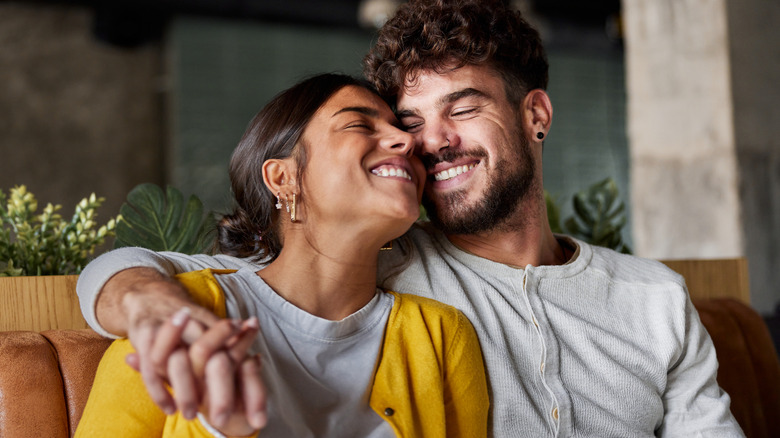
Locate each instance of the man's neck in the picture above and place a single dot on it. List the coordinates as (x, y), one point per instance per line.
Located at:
(530, 242)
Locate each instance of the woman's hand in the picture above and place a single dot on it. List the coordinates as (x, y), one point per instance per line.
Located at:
(214, 372)
(233, 391)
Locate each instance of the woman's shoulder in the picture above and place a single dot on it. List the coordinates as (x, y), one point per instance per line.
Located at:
(410, 309)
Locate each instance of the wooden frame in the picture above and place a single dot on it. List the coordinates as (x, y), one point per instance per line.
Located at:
(40, 303)
(714, 278)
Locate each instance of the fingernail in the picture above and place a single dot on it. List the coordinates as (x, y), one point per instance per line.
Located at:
(220, 419)
(253, 322)
(189, 413)
(169, 410)
(258, 420)
(180, 316)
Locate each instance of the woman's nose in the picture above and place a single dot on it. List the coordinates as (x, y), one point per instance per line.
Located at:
(401, 142)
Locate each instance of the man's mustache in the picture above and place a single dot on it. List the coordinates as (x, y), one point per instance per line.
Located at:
(449, 155)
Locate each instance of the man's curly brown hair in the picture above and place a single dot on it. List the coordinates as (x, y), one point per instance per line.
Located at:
(441, 34)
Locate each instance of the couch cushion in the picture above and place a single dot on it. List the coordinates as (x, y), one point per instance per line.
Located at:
(749, 370)
(31, 402)
(78, 354)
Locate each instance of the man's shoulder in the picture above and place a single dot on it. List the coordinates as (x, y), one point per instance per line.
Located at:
(627, 268)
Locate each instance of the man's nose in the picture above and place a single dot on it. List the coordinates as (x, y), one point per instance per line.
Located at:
(435, 139)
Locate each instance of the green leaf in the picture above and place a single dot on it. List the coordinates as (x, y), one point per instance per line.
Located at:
(599, 216)
(163, 221)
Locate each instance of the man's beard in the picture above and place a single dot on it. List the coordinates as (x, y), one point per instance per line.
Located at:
(509, 183)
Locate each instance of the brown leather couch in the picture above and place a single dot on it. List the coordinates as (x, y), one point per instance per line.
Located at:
(45, 377)
(45, 380)
(749, 369)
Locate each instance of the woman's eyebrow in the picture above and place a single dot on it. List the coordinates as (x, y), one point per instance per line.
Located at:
(371, 112)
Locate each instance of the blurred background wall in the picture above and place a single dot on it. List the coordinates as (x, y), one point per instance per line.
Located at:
(671, 98)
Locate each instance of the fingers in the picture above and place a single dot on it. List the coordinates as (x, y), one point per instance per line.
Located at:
(220, 385)
(155, 386)
(244, 340)
(168, 338)
(217, 338)
(183, 383)
(213, 357)
(253, 392)
(133, 361)
(161, 358)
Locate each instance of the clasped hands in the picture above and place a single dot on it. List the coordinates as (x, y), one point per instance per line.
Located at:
(204, 360)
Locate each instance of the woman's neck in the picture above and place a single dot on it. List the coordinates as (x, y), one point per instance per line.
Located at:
(331, 281)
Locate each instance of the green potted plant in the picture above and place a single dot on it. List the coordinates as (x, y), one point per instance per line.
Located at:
(599, 216)
(40, 258)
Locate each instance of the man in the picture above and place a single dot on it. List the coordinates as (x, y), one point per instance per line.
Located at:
(577, 340)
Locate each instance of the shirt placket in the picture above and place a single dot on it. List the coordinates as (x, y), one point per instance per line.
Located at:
(552, 418)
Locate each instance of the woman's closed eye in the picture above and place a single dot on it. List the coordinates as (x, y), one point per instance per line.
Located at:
(360, 125)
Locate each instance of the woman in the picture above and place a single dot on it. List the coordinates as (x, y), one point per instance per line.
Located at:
(323, 179)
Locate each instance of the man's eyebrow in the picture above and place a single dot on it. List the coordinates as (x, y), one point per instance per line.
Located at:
(460, 94)
(371, 112)
(445, 100)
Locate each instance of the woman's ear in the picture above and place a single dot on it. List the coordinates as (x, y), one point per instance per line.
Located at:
(537, 114)
(279, 175)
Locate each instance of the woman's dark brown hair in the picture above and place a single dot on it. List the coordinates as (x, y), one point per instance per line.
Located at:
(252, 230)
(439, 34)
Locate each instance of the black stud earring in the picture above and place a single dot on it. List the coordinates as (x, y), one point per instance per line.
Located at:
(540, 135)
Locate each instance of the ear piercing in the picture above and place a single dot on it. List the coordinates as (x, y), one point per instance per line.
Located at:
(540, 135)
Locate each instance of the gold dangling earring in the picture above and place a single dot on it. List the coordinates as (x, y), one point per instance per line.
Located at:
(387, 246)
(292, 213)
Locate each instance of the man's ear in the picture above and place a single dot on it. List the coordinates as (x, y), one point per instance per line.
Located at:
(279, 175)
(537, 114)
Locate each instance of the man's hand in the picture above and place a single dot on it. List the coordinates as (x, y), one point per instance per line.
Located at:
(143, 297)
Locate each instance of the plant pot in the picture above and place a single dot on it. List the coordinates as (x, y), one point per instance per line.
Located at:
(40, 303)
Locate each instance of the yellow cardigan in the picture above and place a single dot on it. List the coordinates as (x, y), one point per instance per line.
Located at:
(430, 381)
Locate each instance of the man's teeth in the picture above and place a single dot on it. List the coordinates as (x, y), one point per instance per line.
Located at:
(392, 171)
(452, 172)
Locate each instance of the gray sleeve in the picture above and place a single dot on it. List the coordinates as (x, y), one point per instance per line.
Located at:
(100, 270)
(694, 403)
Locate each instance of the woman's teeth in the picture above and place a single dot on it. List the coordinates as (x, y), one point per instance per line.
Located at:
(392, 171)
(452, 172)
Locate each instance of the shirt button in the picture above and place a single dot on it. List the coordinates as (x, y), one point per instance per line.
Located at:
(555, 413)
(535, 323)
(389, 412)
(541, 367)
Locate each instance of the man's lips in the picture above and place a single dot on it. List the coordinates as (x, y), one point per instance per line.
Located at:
(452, 172)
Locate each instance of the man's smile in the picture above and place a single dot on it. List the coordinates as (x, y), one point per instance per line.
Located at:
(452, 172)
